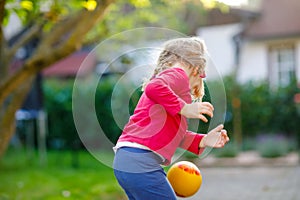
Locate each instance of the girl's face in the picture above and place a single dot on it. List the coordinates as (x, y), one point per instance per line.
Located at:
(195, 78)
(196, 82)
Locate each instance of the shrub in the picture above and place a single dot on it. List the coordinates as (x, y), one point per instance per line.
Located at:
(264, 109)
(249, 144)
(229, 150)
(58, 102)
(271, 146)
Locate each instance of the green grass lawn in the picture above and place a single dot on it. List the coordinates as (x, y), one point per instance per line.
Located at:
(22, 177)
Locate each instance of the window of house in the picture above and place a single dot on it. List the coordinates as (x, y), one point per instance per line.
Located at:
(282, 65)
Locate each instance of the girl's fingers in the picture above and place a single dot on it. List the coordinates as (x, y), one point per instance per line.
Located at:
(208, 105)
(205, 108)
(207, 111)
(219, 128)
(224, 135)
(203, 118)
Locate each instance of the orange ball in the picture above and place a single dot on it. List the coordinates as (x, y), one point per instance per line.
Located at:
(185, 178)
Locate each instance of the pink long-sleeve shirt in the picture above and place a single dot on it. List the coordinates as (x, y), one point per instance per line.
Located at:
(156, 122)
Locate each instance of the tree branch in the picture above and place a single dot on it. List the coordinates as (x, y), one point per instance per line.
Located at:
(47, 55)
(3, 61)
(77, 25)
(32, 32)
(98, 14)
(60, 30)
(98, 36)
(2, 10)
(7, 121)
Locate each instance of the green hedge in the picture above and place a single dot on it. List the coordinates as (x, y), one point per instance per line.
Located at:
(271, 146)
(58, 104)
(263, 110)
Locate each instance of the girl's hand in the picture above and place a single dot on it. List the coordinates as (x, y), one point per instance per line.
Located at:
(197, 110)
(216, 138)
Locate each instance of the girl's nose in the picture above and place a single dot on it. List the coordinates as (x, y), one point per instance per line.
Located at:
(202, 75)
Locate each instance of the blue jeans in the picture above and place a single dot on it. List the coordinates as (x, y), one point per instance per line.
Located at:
(139, 173)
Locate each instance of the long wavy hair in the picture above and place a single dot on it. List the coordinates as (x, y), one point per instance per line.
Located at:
(190, 51)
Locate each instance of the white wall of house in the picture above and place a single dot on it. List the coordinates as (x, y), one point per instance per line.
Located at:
(254, 62)
(254, 55)
(220, 45)
(298, 61)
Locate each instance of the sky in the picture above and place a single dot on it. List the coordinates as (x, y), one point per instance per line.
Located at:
(233, 2)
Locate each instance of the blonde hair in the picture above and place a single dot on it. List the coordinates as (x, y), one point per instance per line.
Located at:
(190, 51)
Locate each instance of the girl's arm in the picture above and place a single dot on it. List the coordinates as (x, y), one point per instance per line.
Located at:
(166, 88)
(196, 143)
(162, 94)
(215, 138)
(191, 142)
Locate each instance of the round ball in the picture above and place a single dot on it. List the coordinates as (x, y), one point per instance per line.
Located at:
(185, 178)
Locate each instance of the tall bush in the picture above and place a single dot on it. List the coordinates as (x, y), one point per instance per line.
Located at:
(265, 109)
(58, 104)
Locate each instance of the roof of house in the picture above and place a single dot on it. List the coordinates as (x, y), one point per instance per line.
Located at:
(274, 19)
(69, 66)
(217, 16)
(278, 19)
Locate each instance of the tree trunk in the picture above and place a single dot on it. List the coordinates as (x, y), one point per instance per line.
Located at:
(7, 116)
(237, 119)
(53, 47)
(236, 99)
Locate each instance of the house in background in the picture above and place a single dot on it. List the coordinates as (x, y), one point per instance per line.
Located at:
(68, 67)
(263, 44)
